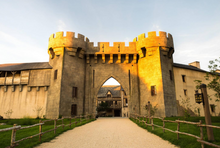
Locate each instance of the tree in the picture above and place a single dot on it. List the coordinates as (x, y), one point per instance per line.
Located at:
(153, 109)
(103, 106)
(8, 113)
(213, 77)
(186, 106)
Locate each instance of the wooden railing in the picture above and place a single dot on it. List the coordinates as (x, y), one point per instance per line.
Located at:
(40, 124)
(140, 119)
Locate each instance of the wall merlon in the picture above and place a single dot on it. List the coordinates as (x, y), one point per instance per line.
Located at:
(170, 37)
(141, 36)
(162, 34)
(152, 34)
(81, 37)
(87, 40)
(135, 39)
(59, 34)
(51, 36)
(70, 34)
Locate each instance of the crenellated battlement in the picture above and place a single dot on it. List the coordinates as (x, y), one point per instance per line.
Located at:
(118, 47)
(69, 35)
(58, 41)
(153, 40)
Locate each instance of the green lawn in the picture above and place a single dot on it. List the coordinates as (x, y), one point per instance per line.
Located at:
(6, 136)
(184, 141)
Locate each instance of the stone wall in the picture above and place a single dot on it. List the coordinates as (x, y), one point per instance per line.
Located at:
(98, 72)
(25, 100)
(190, 86)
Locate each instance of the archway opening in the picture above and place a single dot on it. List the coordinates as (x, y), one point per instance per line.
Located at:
(112, 100)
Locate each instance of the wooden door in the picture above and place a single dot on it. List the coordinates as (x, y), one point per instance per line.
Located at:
(74, 110)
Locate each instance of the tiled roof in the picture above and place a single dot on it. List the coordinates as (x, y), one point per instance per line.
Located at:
(114, 89)
(24, 66)
(188, 67)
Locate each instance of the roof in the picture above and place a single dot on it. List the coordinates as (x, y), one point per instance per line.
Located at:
(24, 66)
(188, 67)
(114, 89)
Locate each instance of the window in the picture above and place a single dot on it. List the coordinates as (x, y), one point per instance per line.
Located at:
(108, 96)
(185, 92)
(115, 102)
(2, 74)
(74, 92)
(125, 102)
(171, 76)
(184, 78)
(55, 74)
(212, 108)
(74, 110)
(153, 90)
(143, 51)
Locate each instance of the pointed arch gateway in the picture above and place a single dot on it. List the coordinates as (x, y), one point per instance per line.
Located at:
(111, 99)
(98, 72)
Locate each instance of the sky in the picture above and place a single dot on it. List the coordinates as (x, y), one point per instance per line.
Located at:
(25, 25)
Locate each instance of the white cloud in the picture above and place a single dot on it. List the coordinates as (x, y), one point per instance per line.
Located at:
(200, 49)
(19, 50)
(156, 28)
(61, 25)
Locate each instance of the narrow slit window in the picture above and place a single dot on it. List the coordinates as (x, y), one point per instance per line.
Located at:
(93, 78)
(74, 92)
(153, 90)
(212, 108)
(129, 80)
(171, 76)
(184, 78)
(55, 74)
(185, 92)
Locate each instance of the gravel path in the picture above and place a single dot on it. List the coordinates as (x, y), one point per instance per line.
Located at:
(108, 133)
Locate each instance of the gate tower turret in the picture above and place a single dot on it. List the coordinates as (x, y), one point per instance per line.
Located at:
(155, 67)
(67, 59)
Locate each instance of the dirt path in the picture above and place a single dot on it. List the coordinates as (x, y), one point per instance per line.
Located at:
(108, 133)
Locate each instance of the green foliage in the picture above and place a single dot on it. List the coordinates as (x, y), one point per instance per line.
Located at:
(103, 106)
(213, 77)
(197, 110)
(38, 111)
(186, 105)
(6, 136)
(184, 141)
(153, 109)
(8, 113)
(60, 116)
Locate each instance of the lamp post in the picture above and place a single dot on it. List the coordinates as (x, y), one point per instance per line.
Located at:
(204, 98)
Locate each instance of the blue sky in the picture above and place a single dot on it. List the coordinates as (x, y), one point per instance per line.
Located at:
(25, 25)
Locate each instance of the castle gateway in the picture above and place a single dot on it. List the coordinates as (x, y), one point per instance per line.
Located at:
(70, 82)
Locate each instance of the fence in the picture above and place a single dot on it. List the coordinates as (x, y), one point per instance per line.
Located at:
(40, 124)
(199, 124)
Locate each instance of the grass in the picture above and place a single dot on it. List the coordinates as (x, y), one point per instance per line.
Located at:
(184, 140)
(6, 136)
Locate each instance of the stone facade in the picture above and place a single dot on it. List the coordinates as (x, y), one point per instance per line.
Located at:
(116, 99)
(78, 69)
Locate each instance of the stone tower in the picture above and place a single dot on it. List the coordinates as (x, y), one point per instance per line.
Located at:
(67, 59)
(155, 72)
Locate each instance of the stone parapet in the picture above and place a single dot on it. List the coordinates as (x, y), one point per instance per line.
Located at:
(149, 43)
